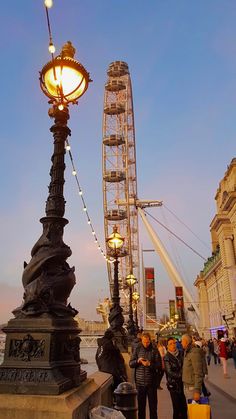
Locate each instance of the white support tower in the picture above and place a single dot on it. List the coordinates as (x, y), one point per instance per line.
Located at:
(167, 262)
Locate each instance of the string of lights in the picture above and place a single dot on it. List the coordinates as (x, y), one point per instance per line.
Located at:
(89, 221)
(48, 4)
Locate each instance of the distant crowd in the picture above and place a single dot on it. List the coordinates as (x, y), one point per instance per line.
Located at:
(184, 363)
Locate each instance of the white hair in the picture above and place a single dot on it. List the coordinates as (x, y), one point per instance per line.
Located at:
(187, 337)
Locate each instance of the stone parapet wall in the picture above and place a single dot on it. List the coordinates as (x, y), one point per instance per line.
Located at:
(73, 404)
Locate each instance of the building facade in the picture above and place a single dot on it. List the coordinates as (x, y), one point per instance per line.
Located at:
(216, 283)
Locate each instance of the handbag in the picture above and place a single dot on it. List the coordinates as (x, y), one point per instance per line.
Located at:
(200, 409)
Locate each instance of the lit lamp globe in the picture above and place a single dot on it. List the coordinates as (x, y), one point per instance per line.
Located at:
(115, 241)
(131, 280)
(136, 296)
(63, 79)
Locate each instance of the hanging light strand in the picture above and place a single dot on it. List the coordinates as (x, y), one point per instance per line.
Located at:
(89, 221)
(51, 47)
(48, 4)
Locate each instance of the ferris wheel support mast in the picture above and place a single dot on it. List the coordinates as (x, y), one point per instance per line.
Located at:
(166, 260)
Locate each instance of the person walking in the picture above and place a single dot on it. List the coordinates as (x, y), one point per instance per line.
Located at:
(173, 361)
(216, 351)
(210, 352)
(223, 356)
(146, 360)
(192, 375)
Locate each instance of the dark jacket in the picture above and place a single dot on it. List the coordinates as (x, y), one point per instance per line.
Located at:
(145, 376)
(211, 346)
(173, 370)
(109, 359)
(234, 351)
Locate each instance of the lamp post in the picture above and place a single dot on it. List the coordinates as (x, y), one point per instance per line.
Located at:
(115, 243)
(42, 345)
(136, 298)
(131, 280)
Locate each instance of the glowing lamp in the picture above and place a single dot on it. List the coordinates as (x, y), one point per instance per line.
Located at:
(131, 280)
(115, 240)
(136, 296)
(63, 79)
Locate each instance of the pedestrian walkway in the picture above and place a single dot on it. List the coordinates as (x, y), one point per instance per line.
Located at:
(164, 405)
(226, 386)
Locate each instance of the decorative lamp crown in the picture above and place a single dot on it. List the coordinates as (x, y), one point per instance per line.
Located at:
(63, 79)
(131, 280)
(136, 296)
(115, 240)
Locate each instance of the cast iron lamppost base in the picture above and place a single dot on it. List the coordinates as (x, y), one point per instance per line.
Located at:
(42, 354)
(116, 318)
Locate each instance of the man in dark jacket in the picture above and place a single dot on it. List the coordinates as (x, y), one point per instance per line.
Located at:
(147, 361)
(109, 358)
(173, 361)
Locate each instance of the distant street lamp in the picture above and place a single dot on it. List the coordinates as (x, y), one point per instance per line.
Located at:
(131, 280)
(136, 298)
(116, 319)
(44, 332)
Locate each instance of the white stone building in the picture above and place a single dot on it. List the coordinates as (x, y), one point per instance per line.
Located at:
(216, 283)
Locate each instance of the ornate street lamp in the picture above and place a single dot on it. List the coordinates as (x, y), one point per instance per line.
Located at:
(115, 243)
(44, 332)
(131, 280)
(64, 80)
(136, 298)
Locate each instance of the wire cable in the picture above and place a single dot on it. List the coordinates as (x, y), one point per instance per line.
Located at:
(177, 237)
(188, 228)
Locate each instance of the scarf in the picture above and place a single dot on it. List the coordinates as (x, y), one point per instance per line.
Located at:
(176, 353)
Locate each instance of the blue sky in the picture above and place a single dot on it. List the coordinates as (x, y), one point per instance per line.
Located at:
(182, 59)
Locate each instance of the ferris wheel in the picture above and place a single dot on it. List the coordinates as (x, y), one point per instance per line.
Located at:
(119, 169)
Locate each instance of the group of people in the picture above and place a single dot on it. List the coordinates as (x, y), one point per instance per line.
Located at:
(220, 350)
(184, 368)
(184, 364)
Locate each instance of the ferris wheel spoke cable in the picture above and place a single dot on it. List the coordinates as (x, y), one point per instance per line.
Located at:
(174, 248)
(185, 225)
(175, 235)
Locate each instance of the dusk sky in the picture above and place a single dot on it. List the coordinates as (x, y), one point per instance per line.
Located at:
(182, 60)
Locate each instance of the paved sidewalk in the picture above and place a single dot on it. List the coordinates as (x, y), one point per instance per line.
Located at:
(226, 386)
(164, 405)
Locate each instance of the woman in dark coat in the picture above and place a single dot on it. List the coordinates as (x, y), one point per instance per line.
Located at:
(173, 361)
